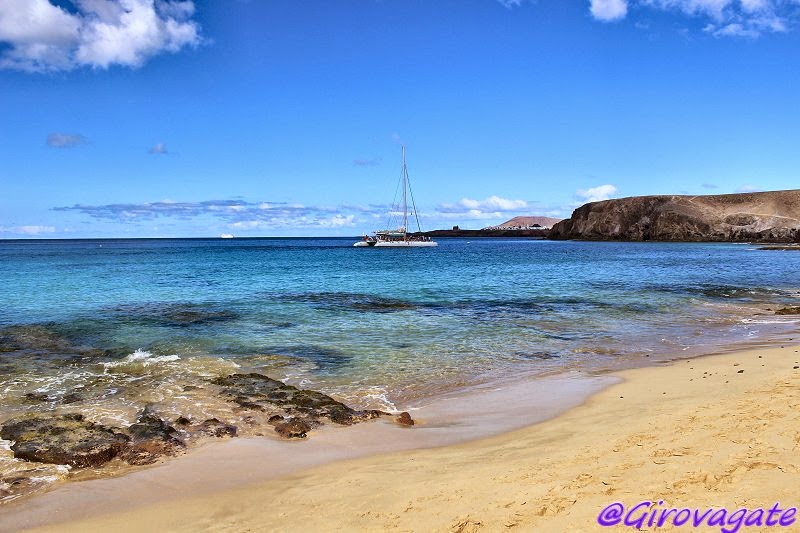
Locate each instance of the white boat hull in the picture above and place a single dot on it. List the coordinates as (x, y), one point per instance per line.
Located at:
(405, 244)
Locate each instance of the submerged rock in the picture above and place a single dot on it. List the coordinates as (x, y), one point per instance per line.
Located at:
(43, 339)
(353, 301)
(261, 393)
(196, 316)
(63, 439)
(788, 311)
(31, 337)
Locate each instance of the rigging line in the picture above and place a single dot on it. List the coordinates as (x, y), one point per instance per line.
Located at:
(413, 204)
(395, 206)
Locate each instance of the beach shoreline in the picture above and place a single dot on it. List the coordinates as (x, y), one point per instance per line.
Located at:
(734, 423)
(477, 412)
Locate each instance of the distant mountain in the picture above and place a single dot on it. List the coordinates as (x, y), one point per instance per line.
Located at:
(526, 223)
(760, 217)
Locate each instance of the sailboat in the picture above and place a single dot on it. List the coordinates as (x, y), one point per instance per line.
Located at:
(400, 237)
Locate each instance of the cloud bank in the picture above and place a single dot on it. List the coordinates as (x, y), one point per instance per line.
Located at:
(43, 37)
(492, 207)
(242, 216)
(721, 18)
(27, 230)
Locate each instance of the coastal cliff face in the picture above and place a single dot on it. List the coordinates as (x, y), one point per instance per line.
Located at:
(761, 217)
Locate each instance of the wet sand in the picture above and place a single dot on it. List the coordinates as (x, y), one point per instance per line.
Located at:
(219, 466)
(715, 431)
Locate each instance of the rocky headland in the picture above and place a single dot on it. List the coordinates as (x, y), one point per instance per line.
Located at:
(770, 217)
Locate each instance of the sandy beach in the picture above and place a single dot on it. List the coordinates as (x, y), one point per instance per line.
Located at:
(720, 431)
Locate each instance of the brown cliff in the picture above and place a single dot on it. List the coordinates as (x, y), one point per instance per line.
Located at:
(759, 217)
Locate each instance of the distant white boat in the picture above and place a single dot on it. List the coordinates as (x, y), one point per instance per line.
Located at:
(226, 236)
(399, 237)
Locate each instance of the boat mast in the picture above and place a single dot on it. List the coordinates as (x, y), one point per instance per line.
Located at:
(405, 205)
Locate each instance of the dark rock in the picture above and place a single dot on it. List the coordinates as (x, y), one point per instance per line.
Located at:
(196, 316)
(182, 421)
(275, 419)
(31, 337)
(404, 419)
(754, 217)
(37, 397)
(788, 311)
(216, 428)
(151, 437)
(63, 439)
(261, 393)
(293, 428)
(71, 397)
(354, 301)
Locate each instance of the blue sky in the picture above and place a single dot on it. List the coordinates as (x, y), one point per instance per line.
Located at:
(123, 118)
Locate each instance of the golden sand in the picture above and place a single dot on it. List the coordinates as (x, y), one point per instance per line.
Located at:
(719, 431)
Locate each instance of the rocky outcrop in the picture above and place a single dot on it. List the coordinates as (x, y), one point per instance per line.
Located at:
(63, 439)
(70, 439)
(754, 217)
(305, 408)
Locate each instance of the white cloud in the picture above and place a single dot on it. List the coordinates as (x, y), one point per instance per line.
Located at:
(27, 230)
(494, 203)
(337, 221)
(595, 194)
(732, 30)
(608, 10)
(65, 140)
(712, 8)
(748, 188)
(159, 149)
(754, 5)
(97, 33)
(510, 3)
(491, 208)
(723, 18)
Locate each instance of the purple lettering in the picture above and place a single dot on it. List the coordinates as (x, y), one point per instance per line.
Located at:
(638, 522)
(756, 518)
(718, 518)
(664, 514)
(698, 518)
(680, 521)
(735, 520)
(771, 519)
(787, 518)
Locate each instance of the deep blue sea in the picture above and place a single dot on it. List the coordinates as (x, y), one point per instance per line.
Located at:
(108, 326)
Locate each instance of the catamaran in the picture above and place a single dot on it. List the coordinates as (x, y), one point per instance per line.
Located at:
(400, 237)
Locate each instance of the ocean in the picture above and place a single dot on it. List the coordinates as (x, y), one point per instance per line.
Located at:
(107, 327)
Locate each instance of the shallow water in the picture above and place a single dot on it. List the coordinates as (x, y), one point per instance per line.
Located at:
(106, 327)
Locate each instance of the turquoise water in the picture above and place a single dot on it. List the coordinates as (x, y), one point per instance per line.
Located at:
(107, 327)
(387, 326)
